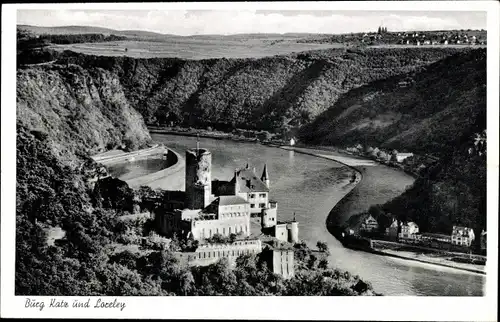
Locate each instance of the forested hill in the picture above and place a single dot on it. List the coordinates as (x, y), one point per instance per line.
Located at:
(430, 111)
(273, 93)
(82, 111)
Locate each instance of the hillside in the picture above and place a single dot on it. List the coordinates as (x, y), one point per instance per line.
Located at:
(424, 112)
(437, 111)
(274, 93)
(82, 111)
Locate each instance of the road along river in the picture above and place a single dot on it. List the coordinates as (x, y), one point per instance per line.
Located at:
(311, 187)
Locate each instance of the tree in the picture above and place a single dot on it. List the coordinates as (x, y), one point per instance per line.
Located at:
(322, 247)
(323, 263)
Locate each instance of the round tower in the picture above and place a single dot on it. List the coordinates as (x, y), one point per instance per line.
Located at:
(198, 178)
(293, 232)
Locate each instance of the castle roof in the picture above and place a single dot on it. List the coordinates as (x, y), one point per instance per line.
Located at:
(265, 175)
(229, 200)
(248, 181)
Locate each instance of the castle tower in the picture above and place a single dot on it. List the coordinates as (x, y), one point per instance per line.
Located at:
(198, 178)
(236, 182)
(265, 176)
(293, 231)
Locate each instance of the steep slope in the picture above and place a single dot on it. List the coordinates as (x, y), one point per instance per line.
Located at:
(83, 111)
(440, 111)
(274, 93)
(428, 115)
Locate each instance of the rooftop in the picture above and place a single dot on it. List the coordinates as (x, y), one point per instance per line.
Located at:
(249, 182)
(229, 200)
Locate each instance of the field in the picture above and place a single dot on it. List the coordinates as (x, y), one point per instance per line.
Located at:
(192, 48)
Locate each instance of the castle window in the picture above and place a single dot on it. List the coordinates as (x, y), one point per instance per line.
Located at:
(229, 230)
(262, 195)
(252, 205)
(252, 195)
(199, 255)
(262, 205)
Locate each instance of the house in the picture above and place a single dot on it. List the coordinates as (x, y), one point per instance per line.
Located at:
(392, 230)
(400, 157)
(462, 236)
(409, 232)
(369, 224)
(483, 240)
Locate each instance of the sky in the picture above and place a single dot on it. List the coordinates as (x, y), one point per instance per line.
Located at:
(224, 22)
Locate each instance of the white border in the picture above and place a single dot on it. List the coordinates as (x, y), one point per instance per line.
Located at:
(320, 308)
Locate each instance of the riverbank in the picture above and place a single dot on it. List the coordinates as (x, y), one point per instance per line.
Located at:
(115, 156)
(423, 258)
(217, 135)
(173, 162)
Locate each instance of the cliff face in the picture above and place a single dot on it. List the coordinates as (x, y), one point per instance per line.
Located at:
(282, 92)
(82, 111)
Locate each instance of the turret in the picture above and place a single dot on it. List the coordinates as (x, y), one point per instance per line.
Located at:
(236, 182)
(198, 178)
(265, 176)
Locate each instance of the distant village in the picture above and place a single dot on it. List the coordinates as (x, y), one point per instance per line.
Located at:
(383, 36)
(366, 225)
(427, 37)
(460, 239)
(407, 161)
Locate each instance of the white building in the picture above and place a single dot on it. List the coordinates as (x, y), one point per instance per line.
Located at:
(462, 236)
(400, 157)
(409, 231)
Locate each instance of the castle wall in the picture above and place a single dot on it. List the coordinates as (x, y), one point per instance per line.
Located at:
(198, 178)
(280, 261)
(235, 223)
(269, 217)
(226, 211)
(293, 232)
(281, 232)
(211, 253)
(258, 201)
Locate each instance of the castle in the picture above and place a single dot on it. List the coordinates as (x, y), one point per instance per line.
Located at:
(225, 210)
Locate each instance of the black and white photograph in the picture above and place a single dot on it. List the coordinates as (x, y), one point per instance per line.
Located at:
(250, 151)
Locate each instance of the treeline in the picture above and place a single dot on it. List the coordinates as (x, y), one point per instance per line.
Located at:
(79, 38)
(32, 49)
(276, 94)
(108, 248)
(26, 40)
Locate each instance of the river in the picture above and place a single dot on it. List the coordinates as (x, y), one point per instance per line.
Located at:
(310, 187)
